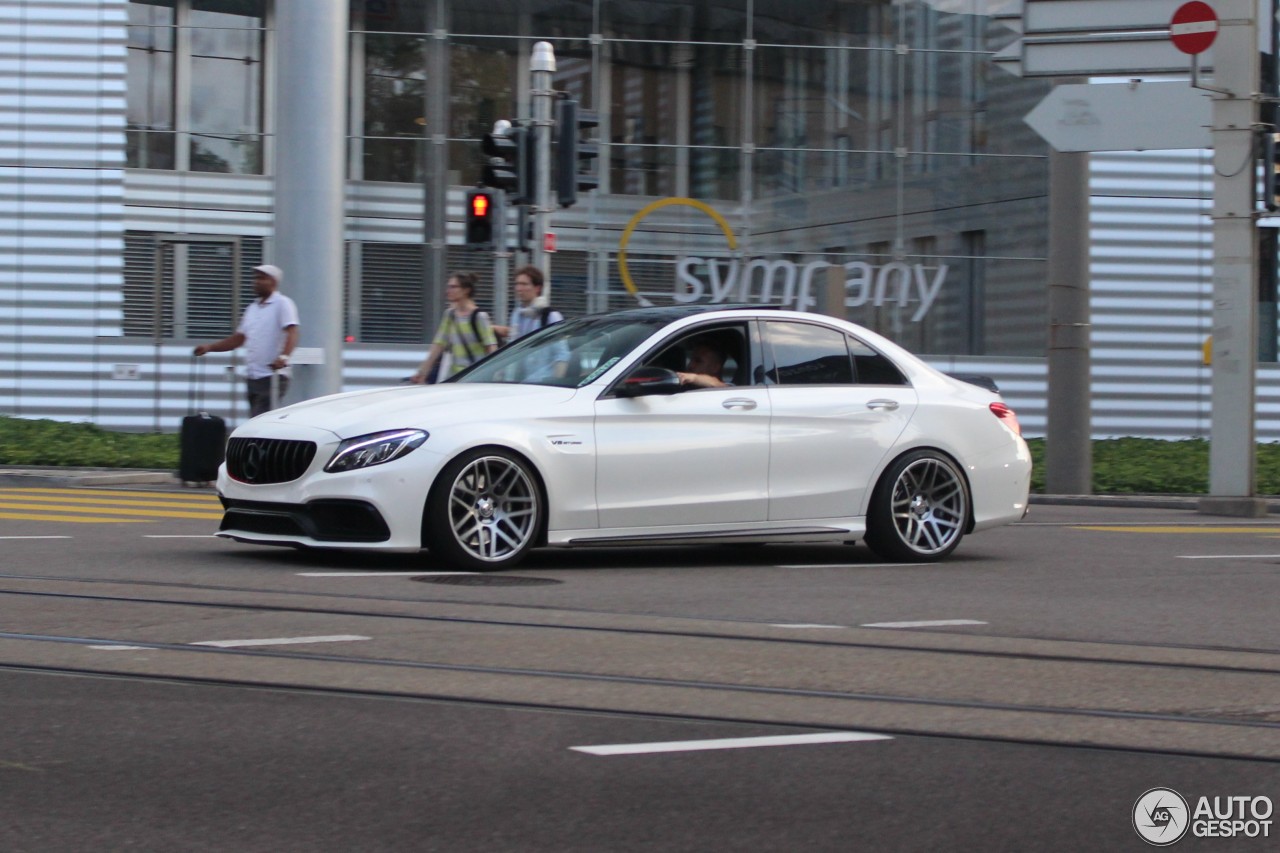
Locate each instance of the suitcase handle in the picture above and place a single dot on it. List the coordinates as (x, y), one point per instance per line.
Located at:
(195, 387)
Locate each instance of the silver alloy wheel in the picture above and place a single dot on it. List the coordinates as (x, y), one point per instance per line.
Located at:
(493, 508)
(929, 506)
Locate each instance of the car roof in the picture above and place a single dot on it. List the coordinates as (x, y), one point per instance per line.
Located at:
(671, 313)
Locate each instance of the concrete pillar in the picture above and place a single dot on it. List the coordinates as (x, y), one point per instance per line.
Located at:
(1235, 264)
(311, 79)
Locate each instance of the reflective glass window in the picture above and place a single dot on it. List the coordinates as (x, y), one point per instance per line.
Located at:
(394, 101)
(806, 354)
(149, 137)
(226, 86)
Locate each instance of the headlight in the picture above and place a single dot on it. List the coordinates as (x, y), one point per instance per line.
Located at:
(366, 450)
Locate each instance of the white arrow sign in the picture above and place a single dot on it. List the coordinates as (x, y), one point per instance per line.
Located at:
(1142, 116)
(1096, 16)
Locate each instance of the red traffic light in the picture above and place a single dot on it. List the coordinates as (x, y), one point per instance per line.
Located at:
(479, 214)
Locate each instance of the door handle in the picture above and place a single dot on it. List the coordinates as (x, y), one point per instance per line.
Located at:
(882, 405)
(739, 403)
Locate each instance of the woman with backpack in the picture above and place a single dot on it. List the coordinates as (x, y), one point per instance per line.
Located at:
(465, 331)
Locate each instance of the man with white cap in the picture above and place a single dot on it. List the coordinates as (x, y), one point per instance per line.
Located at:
(268, 332)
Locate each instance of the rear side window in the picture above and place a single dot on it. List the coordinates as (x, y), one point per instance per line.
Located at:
(872, 368)
(805, 354)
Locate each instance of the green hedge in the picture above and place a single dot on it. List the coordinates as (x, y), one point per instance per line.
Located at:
(43, 442)
(1120, 465)
(1143, 466)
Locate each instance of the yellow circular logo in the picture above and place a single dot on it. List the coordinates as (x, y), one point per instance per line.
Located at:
(623, 271)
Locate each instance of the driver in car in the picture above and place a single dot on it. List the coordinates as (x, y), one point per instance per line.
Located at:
(706, 363)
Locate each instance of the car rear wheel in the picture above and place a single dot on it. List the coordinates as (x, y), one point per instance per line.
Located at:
(919, 511)
(485, 512)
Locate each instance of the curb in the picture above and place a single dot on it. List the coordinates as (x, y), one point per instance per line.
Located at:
(1184, 502)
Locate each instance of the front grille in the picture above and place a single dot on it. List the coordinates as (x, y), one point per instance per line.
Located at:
(268, 460)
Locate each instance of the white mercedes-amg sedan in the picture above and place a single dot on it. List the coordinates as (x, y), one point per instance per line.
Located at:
(651, 426)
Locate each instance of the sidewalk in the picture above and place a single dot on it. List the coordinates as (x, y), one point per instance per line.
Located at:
(11, 476)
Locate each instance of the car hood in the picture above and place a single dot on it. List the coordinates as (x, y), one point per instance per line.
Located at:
(427, 406)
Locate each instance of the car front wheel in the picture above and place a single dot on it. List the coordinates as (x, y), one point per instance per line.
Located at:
(485, 511)
(919, 511)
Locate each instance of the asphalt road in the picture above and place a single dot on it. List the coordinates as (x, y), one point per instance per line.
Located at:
(164, 690)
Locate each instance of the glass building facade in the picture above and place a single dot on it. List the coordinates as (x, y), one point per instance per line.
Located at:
(810, 152)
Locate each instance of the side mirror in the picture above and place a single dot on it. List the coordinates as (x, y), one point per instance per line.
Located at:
(645, 381)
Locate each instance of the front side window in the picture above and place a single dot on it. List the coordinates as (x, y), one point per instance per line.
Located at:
(718, 351)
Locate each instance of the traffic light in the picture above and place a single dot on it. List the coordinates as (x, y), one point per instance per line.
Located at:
(480, 213)
(575, 157)
(511, 162)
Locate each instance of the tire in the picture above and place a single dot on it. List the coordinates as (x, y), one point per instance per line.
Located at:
(919, 510)
(485, 511)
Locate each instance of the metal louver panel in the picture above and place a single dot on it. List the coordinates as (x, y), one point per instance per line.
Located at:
(210, 313)
(570, 281)
(268, 460)
(391, 294)
(140, 286)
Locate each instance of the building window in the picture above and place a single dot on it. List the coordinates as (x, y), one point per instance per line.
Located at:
(195, 85)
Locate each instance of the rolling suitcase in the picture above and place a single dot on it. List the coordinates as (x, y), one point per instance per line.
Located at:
(202, 442)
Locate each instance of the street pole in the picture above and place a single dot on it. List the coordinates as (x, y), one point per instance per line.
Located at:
(1232, 448)
(542, 64)
(1068, 446)
(501, 258)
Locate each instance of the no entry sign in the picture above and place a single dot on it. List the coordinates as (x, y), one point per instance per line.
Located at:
(1194, 27)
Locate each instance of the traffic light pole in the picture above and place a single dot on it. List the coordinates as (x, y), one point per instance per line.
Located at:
(1232, 450)
(542, 64)
(501, 258)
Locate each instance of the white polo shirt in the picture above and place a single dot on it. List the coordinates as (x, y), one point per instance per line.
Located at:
(263, 327)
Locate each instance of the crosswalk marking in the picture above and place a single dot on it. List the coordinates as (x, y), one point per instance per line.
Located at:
(109, 506)
(71, 519)
(113, 497)
(115, 493)
(146, 512)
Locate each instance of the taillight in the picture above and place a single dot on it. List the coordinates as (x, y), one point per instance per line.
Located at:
(1004, 413)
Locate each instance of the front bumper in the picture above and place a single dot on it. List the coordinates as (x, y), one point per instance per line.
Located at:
(333, 521)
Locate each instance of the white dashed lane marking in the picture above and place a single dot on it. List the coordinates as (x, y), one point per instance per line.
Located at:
(935, 623)
(727, 743)
(235, 644)
(377, 574)
(281, 641)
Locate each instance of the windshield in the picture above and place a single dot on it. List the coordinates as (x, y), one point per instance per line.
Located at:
(570, 354)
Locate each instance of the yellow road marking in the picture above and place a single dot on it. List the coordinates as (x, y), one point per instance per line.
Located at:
(106, 510)
(1169, 528)
(75, 519)
(110, 501)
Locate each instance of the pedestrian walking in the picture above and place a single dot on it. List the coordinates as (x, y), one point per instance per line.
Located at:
(268, 332)
(465, 332)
